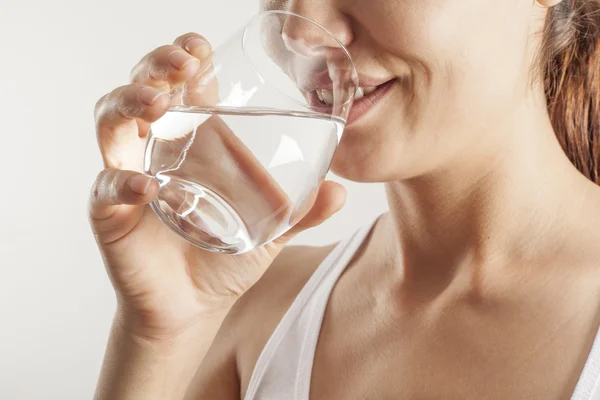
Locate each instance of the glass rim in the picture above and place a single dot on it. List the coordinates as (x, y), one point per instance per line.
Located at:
(263, 14)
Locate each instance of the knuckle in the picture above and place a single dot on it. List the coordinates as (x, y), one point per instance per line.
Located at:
(110, 105)
(104, 178)
(159, 56)
(100, 106)
(98, 186)
(126, 103)
(129, 111)
(111, 184)
(180, 41)
(104, 191)
(154, 66)
(137, 72)
(149, 62)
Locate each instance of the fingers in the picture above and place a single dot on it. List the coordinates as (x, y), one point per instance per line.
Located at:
(122, 117)
(195, 44)
(165, 67)
(115, 187)
(129, 102)
(203, 90)
(169, 66)
(329, 200)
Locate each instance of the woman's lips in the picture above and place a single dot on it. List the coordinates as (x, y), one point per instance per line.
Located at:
(360, 106)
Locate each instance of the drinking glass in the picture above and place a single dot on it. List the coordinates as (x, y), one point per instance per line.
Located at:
(246, 142)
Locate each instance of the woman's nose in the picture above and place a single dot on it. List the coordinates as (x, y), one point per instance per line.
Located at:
(303, 37)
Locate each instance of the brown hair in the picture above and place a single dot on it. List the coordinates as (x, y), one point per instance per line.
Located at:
(571, 68)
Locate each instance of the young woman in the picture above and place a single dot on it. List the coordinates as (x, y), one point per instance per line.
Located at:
(482, 281)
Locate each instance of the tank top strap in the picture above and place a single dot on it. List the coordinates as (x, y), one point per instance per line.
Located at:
(284, 366)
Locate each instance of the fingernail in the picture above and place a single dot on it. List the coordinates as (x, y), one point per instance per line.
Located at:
(180, 59)
(139, 184)
(197, 45)
(149, 95)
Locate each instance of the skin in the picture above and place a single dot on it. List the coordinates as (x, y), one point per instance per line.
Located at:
(482, 281)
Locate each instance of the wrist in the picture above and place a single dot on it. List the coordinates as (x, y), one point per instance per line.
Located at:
(140, 366)
(167, 331)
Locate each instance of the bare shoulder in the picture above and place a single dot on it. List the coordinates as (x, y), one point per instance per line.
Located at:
(283, 280)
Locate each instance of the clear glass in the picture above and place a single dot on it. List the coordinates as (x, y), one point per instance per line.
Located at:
(246, 142)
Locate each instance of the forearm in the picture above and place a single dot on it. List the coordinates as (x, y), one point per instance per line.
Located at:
(140, 368)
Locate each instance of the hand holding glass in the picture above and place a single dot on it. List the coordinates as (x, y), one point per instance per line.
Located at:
(247, 141)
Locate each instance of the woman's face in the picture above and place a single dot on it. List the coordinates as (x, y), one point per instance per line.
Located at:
(461, 68)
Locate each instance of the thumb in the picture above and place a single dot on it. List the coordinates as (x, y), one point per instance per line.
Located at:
(330, 198)
(114, 196)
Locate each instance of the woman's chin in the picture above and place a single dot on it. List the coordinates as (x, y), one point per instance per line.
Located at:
(358, 169)
(373, 161)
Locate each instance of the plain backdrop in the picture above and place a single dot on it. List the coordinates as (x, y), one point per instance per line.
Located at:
(57, 58)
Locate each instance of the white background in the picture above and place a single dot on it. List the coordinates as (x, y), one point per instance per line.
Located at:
(56, 59)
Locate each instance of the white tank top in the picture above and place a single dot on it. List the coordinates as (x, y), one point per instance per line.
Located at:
(283, 369)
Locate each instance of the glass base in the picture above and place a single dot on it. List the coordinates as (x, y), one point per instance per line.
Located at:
(201, 216)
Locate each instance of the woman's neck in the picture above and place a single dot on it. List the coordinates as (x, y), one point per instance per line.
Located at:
(503, 207)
